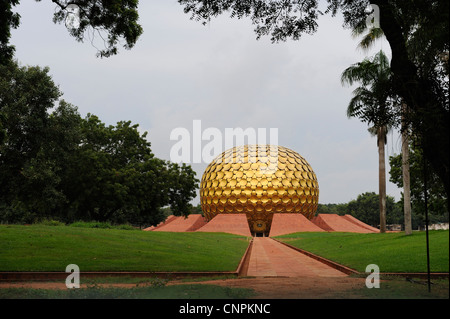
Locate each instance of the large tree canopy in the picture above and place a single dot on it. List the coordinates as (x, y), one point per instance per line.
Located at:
(108, 20)
(417, 31)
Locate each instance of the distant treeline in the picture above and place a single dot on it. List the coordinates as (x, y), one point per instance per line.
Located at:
(367, 209)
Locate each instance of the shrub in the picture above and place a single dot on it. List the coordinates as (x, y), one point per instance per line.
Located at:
(93, 224)
(51, 222)
(103, 225)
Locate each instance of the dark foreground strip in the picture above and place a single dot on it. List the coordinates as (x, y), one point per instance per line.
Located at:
(58, 275)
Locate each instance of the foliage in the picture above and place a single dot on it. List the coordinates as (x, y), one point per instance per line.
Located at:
(102, 225)
(26, 94)
(339, 209)
(51, 222)
(191, 209)
(60, 165)
(371, 102)
(117, 18)
(437, 198)
(8, 20)
(197, 209)
(109, 21)
(277, 18)
(366, 208)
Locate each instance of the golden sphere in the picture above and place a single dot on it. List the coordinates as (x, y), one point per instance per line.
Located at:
(259, 180)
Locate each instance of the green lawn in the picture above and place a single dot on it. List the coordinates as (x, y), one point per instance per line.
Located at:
(392, 252)
(52, 248)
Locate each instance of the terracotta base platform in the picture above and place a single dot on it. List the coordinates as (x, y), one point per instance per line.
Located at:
(161, 224)
(360, 223)
(228, 223)
(283, 224)
(334, 222)
(182, 224)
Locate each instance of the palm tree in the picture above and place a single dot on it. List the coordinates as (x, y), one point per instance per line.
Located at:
(405, 171)
(371, 103)
(369, 37)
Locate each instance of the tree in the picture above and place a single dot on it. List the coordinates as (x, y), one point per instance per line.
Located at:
(369, 38)
(370, 103)
(56, 164)
(437, 198)
(113, 20)
(418, 35)
(182, 187)
(406, 172)
(338, 209)
(43, 191)
(374, 33)
(366, 209)
(27, 176)
(197, 209)
(122, 180)
(419, 40)
(110, 21)
(8, 20)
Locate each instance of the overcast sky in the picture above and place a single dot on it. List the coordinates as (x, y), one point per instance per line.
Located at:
(180, 71)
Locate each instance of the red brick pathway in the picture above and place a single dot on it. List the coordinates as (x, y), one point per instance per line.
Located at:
(271, 258)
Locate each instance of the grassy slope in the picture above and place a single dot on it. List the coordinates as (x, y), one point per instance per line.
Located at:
(52, 248)
(392, 252)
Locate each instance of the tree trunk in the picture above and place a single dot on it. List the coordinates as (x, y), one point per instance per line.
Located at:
(406, 179)
(430, 119)
(382, 177)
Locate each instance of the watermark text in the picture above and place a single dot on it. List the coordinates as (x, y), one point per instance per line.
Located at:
(73, 280)
(373, 279)
(190, 146)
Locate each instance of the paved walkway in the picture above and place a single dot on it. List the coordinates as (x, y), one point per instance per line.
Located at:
(270, 258)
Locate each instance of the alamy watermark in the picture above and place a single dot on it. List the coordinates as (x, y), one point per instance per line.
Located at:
(73, 280)
(73, 16)
(373, 20)
(373, 279)
(191, 147)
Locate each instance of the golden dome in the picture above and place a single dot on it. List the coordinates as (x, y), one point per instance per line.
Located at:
(259, 180)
